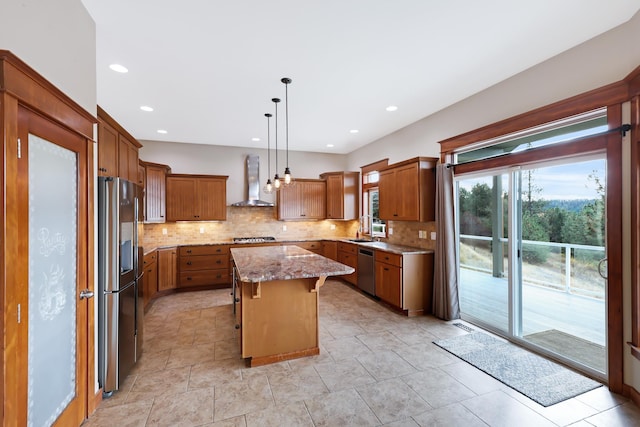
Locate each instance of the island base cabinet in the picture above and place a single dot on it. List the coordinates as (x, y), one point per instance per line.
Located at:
(279, 320)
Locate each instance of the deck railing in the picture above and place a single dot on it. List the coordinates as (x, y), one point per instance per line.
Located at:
(590, 283)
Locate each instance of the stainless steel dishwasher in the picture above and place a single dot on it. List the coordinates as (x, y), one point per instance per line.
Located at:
(366, 271)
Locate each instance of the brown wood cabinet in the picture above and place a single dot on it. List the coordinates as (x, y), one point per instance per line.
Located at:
(305, 199)
(405, 280)
(342, 194)
(150, 278)
(107, 149)
(167, 268)
(155, 194)
(117, 149)
(407, 190)
(348, 255)
(203, 266)
(127, 159)
(196, 197)
(314, 246)
(330, 250)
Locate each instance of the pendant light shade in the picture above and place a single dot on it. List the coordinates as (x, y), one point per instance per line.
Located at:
(276, 178)
(268, 188)
(287, 171)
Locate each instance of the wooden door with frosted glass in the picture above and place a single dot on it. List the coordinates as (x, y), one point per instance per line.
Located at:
(47, 270)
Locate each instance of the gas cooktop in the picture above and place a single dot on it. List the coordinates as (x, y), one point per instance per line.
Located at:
(260, 239)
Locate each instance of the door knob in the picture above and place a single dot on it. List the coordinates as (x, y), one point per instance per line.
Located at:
(86, 294)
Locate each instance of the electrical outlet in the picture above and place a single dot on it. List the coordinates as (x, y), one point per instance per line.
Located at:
(164, 231)
(201, 230)
(433, 235)
(420, 234)
(390, 231)
(284, 228)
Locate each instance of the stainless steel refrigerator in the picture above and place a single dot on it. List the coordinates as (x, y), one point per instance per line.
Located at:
(119, 281)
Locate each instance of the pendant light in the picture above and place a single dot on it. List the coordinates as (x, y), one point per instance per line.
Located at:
(276, 178)
(268, 188)
(287, 171)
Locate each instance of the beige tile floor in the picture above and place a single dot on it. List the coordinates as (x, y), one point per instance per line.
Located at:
(376, 367)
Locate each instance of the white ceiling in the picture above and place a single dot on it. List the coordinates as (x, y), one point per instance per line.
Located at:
(209, 68)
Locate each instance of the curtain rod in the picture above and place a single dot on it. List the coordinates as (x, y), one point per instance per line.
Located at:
(622, 129)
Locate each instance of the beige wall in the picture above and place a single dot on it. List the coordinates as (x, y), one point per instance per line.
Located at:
(58, 40)
(602, 60)
(225, 160)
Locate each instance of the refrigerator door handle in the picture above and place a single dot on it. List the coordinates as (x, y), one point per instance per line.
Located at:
(86, 294)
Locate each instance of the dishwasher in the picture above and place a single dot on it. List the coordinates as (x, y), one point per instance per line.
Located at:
(366, 271)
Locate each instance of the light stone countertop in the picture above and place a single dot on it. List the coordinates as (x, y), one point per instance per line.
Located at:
(263, 264)
(389, 247)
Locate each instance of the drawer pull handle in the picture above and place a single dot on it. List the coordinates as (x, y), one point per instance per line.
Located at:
(188, 262)
(237, 326)
(188, 278)
(188, 251)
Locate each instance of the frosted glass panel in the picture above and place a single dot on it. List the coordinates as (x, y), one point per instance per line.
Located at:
(53, 188)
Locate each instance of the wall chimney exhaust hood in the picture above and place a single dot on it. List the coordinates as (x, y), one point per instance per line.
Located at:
(253, 184)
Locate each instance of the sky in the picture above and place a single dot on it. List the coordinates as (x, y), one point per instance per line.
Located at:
(561, 182)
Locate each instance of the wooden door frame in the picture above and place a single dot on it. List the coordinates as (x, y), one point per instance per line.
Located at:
(612, 97)
(21, 86)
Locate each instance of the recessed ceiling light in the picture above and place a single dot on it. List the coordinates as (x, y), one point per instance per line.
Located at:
(162, 131)
(354, 131)
(392, 108)
(255, 139)
(330, 146)
(146, 108)
(118, 68)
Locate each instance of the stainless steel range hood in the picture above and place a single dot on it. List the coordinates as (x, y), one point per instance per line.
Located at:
(253, 184)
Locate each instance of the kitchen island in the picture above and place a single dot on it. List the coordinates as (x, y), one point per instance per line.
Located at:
(276, 297)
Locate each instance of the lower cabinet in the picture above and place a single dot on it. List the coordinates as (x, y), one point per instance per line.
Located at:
(405, 281)
(312, 246)
(348, 255)
(330, 250)
(203, 266)
(150, 277)
(167, 267)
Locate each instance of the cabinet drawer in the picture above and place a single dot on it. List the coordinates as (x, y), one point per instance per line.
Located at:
(150, 258)
(310, 246)
(349, 259)
(203, 262)
(389, 258)
(204, 250)
(348, 247)
(203, 277)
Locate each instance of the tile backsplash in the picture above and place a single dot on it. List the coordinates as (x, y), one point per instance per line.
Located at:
(244, 222)
(261, 221)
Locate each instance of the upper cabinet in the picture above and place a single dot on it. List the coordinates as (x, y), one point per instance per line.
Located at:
(407, 190)
(342, 194)
(117, 149)
(155, 191)
(305, 199)
(196, 197)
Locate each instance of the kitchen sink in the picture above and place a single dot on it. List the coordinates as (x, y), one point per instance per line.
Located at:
(360, 240)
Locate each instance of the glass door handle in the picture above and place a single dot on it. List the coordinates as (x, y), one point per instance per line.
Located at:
(86, 294)
(602, 261)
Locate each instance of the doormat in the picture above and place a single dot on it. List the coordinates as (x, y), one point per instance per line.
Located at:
(541, 380)
(583, 351)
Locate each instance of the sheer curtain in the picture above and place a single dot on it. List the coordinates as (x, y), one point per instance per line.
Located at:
(445, 283)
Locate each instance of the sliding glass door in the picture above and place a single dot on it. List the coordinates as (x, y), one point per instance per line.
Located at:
(532, 240)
